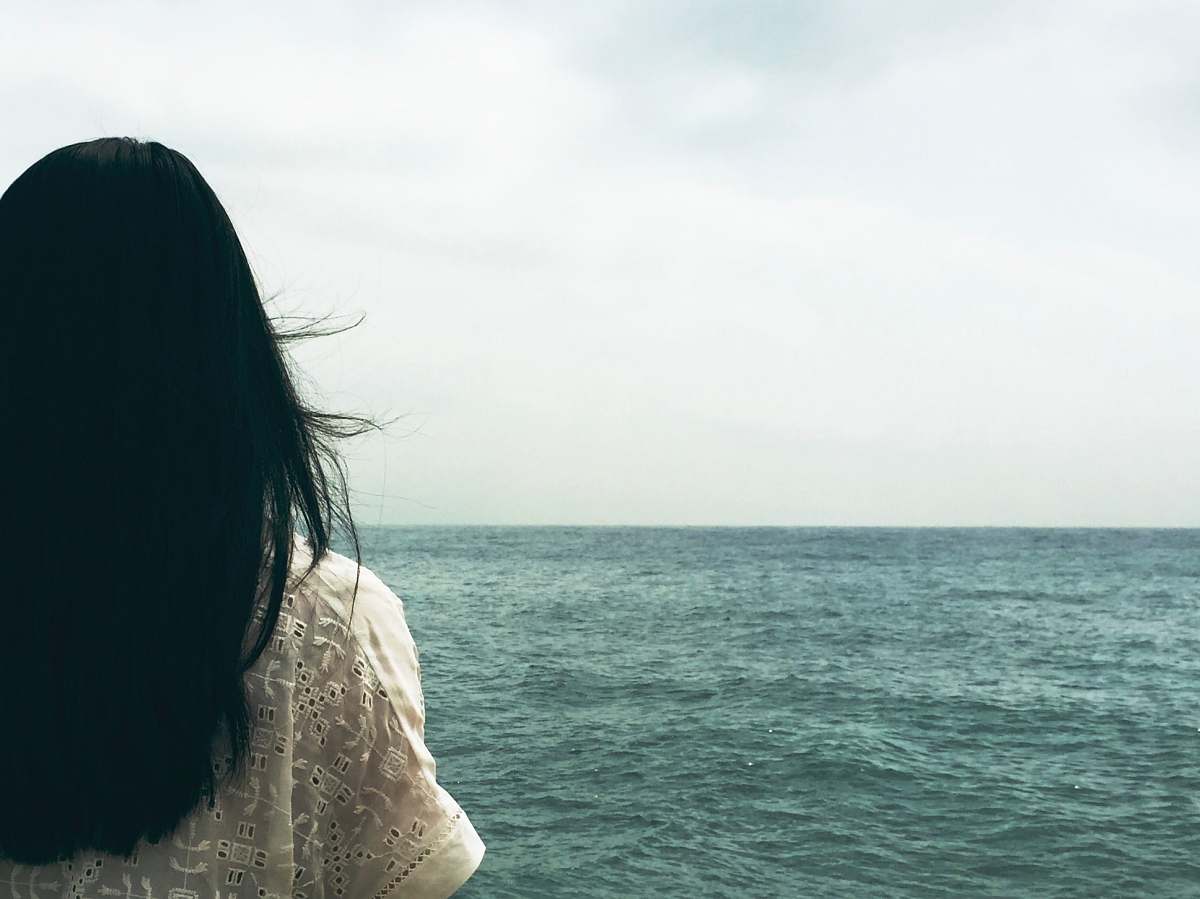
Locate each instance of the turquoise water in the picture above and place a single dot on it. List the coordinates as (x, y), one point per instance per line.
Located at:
(810, 711)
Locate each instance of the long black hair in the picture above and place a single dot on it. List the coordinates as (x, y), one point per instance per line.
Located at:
(155, 455)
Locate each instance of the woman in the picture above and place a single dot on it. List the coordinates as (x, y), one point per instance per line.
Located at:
(193, 704)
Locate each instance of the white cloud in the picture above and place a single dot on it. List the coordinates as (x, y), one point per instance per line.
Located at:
(853, 267)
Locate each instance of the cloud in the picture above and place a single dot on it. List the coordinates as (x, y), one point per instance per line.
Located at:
(836, 262)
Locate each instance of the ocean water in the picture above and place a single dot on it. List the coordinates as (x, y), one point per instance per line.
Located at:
(629, 712)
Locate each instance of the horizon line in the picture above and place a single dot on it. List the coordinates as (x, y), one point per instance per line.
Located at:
(893, 527)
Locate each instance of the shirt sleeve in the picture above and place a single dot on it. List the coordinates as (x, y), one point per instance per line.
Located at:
(405, 836)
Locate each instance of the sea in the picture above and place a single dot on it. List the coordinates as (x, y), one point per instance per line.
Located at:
(809, 711)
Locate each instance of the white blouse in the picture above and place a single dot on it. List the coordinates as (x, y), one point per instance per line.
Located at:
(340, 796)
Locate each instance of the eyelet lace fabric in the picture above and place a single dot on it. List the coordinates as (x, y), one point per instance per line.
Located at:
(391, 886)
(340, 796)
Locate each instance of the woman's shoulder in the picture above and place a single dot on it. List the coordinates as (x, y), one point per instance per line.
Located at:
(360, 601)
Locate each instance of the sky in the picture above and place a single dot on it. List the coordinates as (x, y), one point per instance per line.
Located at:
(695, 263)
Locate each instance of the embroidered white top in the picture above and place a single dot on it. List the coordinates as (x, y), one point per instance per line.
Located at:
(340, 797)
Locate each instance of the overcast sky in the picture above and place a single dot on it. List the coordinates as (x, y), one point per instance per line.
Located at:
(740, 263)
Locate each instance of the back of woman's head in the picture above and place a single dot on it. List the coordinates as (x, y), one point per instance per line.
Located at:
(156, 459)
